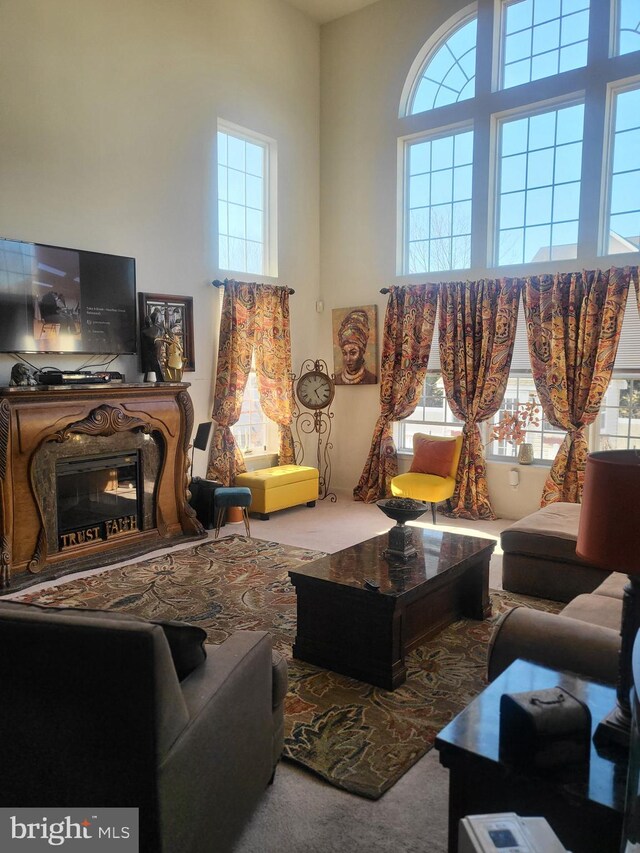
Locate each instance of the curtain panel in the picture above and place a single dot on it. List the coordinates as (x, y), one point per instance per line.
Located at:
(252, 315)
(237, 322)
(477, 327)
(273, 362)
(408, 331)
(574, 322)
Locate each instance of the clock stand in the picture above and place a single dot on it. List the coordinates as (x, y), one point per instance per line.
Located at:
(312, 390)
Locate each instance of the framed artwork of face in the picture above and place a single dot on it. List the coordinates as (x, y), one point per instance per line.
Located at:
(355, 345)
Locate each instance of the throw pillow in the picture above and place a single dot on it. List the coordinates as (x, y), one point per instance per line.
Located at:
(186, 642)
(432, 457)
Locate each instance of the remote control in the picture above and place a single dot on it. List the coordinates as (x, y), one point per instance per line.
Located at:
(371, 584)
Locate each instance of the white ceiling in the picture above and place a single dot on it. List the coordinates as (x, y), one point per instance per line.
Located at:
(327, 10)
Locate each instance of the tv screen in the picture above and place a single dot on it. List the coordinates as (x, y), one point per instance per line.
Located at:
(66, 300)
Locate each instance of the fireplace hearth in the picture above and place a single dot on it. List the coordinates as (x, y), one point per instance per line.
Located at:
(91, 475)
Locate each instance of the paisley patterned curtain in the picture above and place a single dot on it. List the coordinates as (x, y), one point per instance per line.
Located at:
(237, 324)
(574, 322)
(477, 330)
(273, 362)
(408, 330)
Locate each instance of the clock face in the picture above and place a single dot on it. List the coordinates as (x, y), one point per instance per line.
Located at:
(315, 390)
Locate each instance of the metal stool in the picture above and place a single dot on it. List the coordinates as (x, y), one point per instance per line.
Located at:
(232, 496)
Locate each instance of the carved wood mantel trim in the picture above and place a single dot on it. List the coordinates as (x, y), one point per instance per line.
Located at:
(39, 424)
(105, 420)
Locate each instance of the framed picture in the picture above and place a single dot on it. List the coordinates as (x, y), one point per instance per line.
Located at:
(176, 315)
(355, 345)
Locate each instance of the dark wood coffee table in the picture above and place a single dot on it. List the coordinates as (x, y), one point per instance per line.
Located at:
(349, 628)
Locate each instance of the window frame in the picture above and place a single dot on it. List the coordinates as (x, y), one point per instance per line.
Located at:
(269, 197)
(614, 88)
(595, 84)
(270, 444)
(404, 145)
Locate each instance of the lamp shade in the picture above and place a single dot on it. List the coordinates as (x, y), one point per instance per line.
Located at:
(609, 531)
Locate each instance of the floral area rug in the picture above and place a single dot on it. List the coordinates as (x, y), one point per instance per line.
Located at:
(355, 736)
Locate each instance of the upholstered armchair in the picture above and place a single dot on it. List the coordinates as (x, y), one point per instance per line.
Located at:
(105, 709)
(434, 467)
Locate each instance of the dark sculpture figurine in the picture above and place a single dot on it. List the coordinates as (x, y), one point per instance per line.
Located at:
(21, 375)
(152, 339)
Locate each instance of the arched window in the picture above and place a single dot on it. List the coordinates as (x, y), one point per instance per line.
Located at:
(449, 74)
(519, 151)
(522, 146)
(628, 26)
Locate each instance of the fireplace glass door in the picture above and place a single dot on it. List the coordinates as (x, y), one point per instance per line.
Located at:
(100, 494)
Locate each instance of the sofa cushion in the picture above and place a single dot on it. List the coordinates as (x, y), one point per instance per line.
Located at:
(186, 642)
(550, 532)
(600, 610)
(613, 586)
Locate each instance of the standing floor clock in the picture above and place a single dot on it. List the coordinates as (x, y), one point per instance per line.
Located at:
(313, 394)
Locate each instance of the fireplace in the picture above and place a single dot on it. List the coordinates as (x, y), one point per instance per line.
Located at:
(98, 498)
(90, 476)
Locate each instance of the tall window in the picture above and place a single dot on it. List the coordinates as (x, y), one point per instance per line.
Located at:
(439, 194)
(246, 163)
(549, 115)
(624, 196)
(539, 186)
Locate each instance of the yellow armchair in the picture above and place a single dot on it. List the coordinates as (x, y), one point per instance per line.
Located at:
(429, 487)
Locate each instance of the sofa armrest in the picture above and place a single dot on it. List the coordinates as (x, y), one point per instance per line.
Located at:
(555, 641)
(221, 763)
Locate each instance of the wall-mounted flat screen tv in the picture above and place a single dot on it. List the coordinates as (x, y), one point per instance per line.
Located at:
(66, 300)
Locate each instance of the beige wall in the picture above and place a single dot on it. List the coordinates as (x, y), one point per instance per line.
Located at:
(365, 60)
(108, 118)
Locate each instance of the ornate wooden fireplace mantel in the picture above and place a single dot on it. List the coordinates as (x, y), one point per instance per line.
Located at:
(43, 427)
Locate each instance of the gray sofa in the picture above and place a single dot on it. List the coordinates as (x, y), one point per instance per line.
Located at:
(540, 560)
(104, 709)
(583, 638)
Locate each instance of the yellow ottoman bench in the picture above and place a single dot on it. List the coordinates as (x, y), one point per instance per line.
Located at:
(280, 487)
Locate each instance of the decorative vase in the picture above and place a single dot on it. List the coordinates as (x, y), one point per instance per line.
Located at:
(525, 454)
(401, 510)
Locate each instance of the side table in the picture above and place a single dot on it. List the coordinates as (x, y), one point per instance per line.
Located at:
(586, 813)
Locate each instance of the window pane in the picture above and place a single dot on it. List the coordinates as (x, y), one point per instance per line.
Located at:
(535, 185)
(620, 415)
(545, 439)
(241, 203)
(629, 26)
(439, 203)
(250, 431)
(432, 415)
(542, 37)
(449, 75)
(624, 203)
